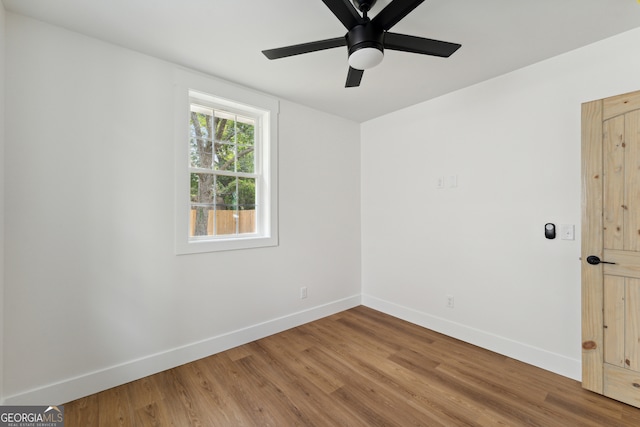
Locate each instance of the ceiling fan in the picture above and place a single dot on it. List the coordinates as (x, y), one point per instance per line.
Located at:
(367, 38)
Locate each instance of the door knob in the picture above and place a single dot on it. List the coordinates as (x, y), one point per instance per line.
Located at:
(594, 260)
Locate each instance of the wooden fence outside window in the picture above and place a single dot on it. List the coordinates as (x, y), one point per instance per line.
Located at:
(225, 222)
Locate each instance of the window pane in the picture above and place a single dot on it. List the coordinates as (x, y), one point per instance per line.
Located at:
(224, 149)
(246, 193)
(200, 144)
(202, 188)
(225, 189)
(226, 222)
(202, 202)
(246, 205)
(246, 158)
(199, 222)
(201, 153)
(246, 145)
(224, 158)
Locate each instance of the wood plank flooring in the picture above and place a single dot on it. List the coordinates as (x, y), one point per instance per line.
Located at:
(356, 368)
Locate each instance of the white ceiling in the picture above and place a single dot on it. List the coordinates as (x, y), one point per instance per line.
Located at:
(225, 38)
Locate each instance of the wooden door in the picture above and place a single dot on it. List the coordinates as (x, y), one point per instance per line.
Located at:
(611, 232)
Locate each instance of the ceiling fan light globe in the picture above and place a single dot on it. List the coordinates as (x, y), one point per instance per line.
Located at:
(365, 58)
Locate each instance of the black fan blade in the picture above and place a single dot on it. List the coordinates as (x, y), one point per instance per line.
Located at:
(421, 45)
(394, 12)
(283, 52)
(345, 12)
(354, 77)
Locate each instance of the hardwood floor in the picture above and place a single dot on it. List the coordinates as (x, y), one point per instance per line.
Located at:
(356, 368)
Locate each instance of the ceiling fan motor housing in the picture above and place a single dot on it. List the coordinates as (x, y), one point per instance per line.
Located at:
(365, 35)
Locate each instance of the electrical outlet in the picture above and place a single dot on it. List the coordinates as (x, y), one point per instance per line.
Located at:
(303, 292)
(450, 301)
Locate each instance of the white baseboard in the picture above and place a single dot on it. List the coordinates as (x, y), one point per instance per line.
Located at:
(557, 363)
(93, 382)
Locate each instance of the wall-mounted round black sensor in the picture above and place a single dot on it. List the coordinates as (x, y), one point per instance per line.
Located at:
(550, 231)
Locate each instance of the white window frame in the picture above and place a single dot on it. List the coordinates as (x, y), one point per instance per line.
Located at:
(221, 95)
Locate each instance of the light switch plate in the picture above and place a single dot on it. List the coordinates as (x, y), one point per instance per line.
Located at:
(567, 232)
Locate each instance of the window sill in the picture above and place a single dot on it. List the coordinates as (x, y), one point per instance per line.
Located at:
(224, 244)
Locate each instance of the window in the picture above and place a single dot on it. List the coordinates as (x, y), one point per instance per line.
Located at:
(223, 173)
(225, 167)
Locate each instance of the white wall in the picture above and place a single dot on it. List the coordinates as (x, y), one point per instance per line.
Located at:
(94, 293)
(2, 38)
(514, 143)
